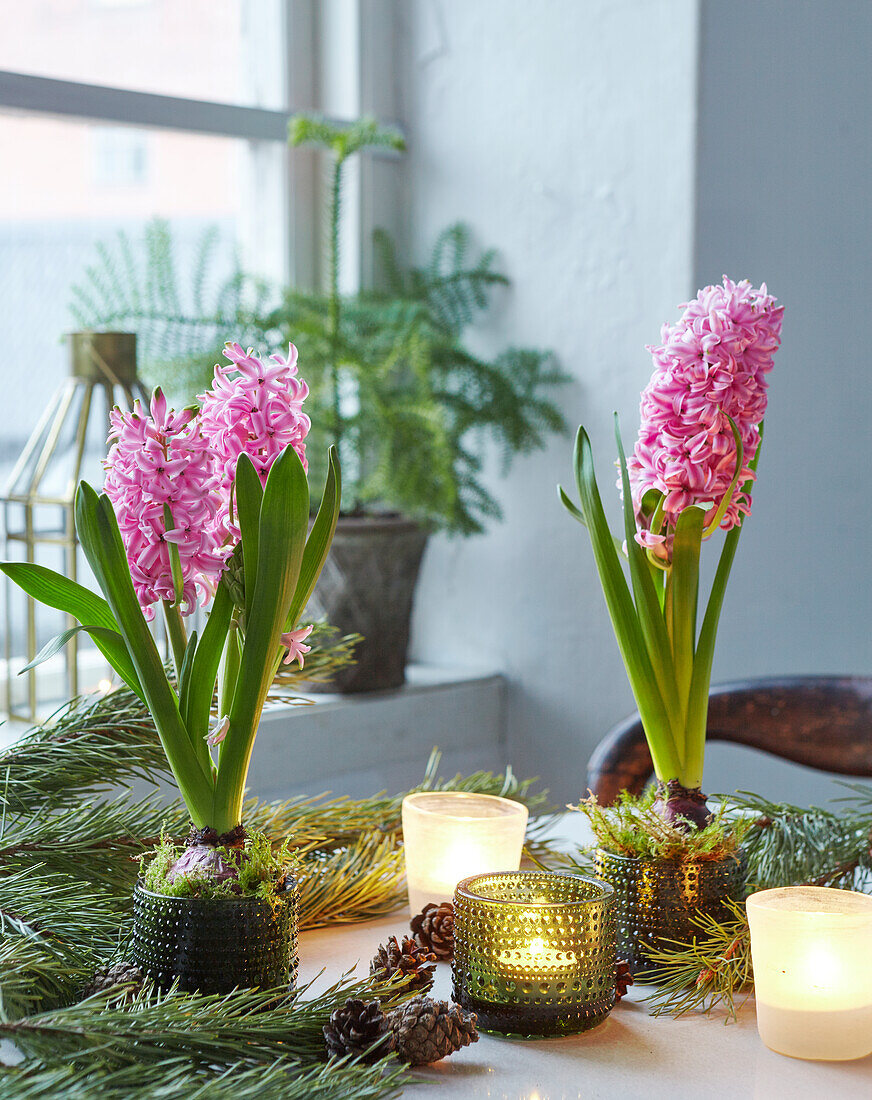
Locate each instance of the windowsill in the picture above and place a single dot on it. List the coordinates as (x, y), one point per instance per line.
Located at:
(358, 744)
(419, 678)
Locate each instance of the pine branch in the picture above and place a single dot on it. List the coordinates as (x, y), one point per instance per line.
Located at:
(711, 971)
(362, 881)
(342, 819)
(89, 746)
(241, 1028)
(95, 841)
(791, 845)
(38, 973)
(55, 930)
(177, 1078)
(58, 912)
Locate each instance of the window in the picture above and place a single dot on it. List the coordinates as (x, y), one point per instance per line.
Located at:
(224, 51)
(114, 113)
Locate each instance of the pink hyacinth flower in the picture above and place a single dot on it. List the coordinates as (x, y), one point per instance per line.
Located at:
(253, 408)
(218, 731)
(156, 462)
(710, 367)
(294, 639)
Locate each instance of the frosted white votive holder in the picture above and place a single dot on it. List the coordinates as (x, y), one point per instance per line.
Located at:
(811, 948)
(450, 835)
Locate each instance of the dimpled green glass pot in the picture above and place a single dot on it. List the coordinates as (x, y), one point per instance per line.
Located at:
(534, 953)
(656, 900)
(214, 945)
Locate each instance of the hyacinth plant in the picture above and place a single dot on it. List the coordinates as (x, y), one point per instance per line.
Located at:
(690, 474)
(200, 506)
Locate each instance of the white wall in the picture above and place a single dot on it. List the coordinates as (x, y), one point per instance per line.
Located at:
(784, 167)
(794, 208)
(620, 154)
(563, 132)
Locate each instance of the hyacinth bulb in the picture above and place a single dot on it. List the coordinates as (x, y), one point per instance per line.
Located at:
(685, 809)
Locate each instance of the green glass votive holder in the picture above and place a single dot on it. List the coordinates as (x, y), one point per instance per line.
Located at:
(534, 952)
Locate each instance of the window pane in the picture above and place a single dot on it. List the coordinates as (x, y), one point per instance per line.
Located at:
(228, 51)
(73, 185)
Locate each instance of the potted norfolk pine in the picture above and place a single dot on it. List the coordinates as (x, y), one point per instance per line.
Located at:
(394, 386)
(690, 474)
(209, 506)
(408, 407)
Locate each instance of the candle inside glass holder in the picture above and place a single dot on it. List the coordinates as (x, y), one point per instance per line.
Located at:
(534, 952)
(812, 953)
(449, 835)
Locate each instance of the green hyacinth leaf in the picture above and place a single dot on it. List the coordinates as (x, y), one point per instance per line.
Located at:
(249, 500)
(108, 641)
(101, 541)
(648, 608)
(625, 622)
(684, 592)
(319, 540)
(697, 710)
(58, 591)
(284, 521)
(196, 703)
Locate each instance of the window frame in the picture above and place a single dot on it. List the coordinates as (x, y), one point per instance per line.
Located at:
(370, 48)
(78, 101)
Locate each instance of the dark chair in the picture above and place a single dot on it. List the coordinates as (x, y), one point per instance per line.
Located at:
(824, 722)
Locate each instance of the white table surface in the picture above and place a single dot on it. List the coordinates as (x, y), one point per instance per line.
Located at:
(631, 1055)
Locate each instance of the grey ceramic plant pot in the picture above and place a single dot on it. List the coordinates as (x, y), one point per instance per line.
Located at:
(218, 944)
(656, 900)
(367, 587)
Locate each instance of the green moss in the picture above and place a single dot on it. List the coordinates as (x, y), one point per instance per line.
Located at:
(631, 827)
(260, 874)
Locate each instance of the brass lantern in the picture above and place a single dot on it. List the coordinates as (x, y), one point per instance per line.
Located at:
(68, 444)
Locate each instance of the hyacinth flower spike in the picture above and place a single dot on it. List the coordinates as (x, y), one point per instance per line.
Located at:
(198, 506)
(690, 474)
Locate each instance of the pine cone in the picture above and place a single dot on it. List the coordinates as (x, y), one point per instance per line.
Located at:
(434, 930)
(426, 1030)
(108, 977)
(623, 979)
(406, 960)
(359, 1028)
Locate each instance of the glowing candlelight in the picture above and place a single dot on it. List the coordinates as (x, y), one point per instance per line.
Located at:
(450, 835)
(536, 957)
(534, 952)
(812, 953)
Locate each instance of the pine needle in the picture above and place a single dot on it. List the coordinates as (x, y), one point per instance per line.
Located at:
(359, 882)
(789, 844)
(155, 1043)
(86, 748)
(245, 1026)
(178, 1078)
(711, 971)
